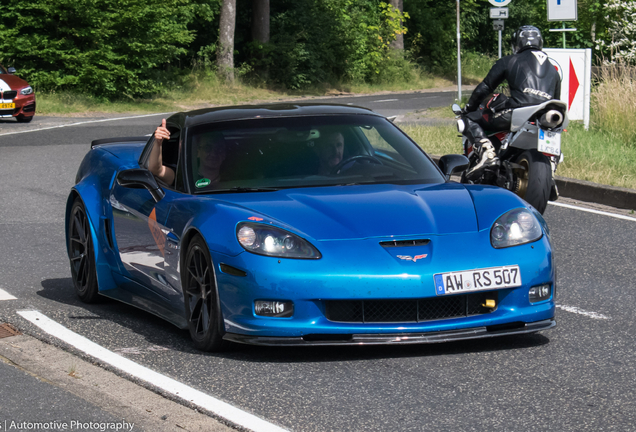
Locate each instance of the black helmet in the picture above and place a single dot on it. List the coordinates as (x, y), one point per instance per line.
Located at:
(527, 37)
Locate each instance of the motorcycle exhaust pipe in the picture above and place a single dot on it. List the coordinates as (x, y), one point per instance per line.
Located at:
(551, 119)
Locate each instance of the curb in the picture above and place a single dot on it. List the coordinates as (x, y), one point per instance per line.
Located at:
(587, 191)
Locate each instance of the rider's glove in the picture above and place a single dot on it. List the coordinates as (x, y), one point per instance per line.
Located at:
(468, 108)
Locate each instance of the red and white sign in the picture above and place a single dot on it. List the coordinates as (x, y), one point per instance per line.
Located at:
(575, 68)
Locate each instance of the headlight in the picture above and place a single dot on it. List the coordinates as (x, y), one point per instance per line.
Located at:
(27, 90)
(271, 241)
(518, 226)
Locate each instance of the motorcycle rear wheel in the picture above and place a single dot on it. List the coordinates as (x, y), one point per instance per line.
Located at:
(534, 181)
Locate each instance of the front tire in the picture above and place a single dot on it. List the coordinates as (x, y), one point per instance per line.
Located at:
(201, 298)
(81, 254)
(535, 180)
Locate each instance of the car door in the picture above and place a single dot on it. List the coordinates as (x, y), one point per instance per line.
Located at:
(140, 234)
(139, 227)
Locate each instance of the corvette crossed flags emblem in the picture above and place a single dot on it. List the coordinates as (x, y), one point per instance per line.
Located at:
(410, 258)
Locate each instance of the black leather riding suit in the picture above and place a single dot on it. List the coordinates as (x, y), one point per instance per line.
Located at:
(532, 80)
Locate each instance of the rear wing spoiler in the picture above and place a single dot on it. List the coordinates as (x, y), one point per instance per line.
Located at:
(119, 140)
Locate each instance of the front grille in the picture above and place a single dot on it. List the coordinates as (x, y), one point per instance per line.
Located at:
(7, 112)
(402, 311)
(11, 94)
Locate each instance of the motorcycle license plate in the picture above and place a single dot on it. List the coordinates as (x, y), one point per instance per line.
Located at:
(477, 280)
(549, 142)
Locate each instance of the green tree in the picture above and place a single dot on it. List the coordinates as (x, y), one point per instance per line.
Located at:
(109, 48)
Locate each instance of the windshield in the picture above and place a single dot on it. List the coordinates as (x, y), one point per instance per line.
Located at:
(269, 154)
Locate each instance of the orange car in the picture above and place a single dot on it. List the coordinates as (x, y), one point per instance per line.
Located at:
(17, 98)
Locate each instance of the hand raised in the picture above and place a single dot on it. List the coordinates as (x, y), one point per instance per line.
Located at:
(161, 132)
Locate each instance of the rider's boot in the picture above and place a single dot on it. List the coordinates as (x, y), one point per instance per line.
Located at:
(487, 157)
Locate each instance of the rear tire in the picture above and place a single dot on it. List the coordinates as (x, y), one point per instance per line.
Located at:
(201, 298)
(24, 119)
(535, 180)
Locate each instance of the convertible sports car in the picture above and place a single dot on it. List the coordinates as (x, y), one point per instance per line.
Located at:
(17, 98)
(326, 225)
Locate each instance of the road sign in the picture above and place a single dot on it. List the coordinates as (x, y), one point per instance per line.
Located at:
(498, 25)
(562, 10)
(499, 13)
(575, 68)
(499, 3)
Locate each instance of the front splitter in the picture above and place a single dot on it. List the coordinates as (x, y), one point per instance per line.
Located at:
(395, 338)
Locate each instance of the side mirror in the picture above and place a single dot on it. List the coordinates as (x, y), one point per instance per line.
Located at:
(457, 109)
(140, 177)
(11, 70)
(452, 163)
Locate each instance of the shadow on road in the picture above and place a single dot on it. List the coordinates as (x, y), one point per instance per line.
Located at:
(161, 333)
(152, 328)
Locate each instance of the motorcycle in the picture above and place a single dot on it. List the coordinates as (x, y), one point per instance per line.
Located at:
(529, 153)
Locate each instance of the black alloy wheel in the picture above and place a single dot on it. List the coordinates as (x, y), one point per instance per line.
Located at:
(201, 299)
(80, 254)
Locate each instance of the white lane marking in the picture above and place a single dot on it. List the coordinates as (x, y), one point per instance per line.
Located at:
(6, 296)
(385, 100)
(593, 315)
(614, 215)
(85, 122)
(169, 385)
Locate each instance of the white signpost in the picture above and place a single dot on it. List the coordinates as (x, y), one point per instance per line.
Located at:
(498, 14)
(575, 68)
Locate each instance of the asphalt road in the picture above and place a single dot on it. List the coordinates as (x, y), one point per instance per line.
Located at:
(579, 376)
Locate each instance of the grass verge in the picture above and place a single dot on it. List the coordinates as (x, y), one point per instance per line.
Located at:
(206, 90)
(588, 155)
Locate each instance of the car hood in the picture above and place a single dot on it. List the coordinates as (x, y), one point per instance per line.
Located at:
(355, 212)
(11, 82)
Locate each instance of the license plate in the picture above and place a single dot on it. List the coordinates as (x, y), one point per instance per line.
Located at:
(7, 105)
(550, 142)
(477, 280)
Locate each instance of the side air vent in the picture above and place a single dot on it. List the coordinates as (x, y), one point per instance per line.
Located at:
(109, 233)
(227, 269)
(404, 243)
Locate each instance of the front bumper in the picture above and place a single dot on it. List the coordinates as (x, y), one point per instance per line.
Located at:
(395, 339)
(24, 106)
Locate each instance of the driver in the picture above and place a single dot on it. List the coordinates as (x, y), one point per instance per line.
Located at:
(329, 149)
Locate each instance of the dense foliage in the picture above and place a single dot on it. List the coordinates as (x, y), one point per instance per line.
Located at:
(130, 48)
(104, 47)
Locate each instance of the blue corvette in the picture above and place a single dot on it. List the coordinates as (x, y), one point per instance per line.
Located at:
(305, 224)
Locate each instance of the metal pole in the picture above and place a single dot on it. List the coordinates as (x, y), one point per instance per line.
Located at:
(459, 59)
(563, 34)
(499, 43)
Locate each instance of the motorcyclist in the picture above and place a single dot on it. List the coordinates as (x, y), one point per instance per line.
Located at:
(532, 80)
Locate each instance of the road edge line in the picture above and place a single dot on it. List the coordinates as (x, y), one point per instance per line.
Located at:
(600, 212)
(179, 390)
(85, 122)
